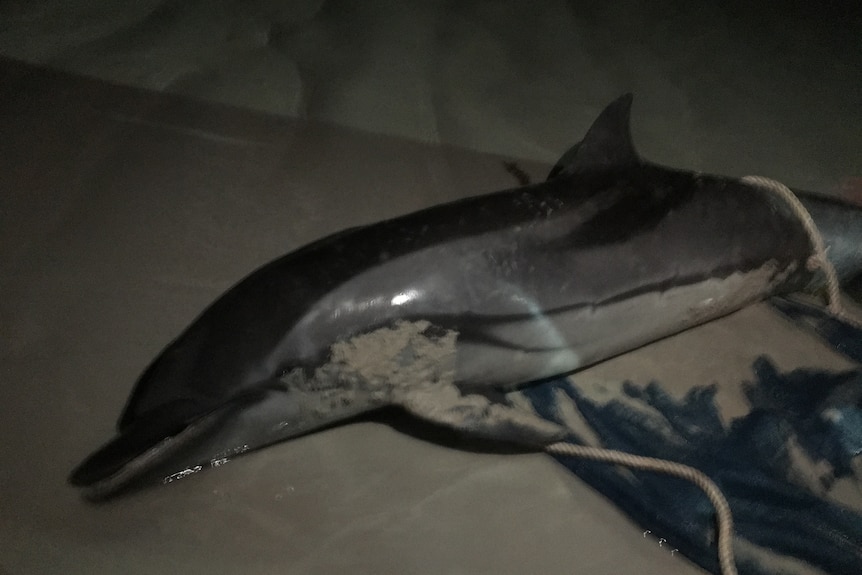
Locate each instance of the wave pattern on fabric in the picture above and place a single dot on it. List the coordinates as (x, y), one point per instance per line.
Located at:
(776, 464)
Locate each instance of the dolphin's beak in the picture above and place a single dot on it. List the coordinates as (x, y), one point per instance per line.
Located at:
(159, 448)
(166, 444)
(131, 443)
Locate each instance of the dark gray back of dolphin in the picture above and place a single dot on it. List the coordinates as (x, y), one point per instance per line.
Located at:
(479, 294)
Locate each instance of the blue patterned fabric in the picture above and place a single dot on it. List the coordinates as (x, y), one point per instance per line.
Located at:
(776, 464)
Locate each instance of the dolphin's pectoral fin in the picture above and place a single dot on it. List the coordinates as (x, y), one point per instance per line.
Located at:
(411, 364)
(478, 415)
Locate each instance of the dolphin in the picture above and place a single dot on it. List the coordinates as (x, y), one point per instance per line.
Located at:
(439, 310)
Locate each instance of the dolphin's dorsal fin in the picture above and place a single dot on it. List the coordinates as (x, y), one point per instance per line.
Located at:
(608, 143)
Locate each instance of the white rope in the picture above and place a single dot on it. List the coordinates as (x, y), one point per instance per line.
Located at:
(818, 259)
(724, 518)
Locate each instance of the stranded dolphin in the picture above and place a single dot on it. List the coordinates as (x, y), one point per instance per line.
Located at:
(437, 310)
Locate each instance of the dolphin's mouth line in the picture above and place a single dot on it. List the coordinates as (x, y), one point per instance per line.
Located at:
(141, 464)
(198, 425)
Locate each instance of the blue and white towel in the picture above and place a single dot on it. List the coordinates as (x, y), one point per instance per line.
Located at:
(777, 464)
